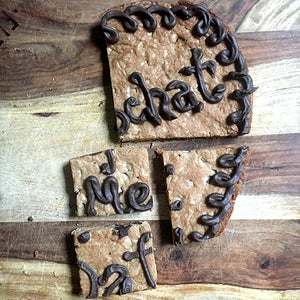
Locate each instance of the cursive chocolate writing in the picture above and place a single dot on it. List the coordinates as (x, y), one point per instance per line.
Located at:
(125, 121)
(196, 69)
(149, 112)
(123, 280)
(190, 101)
(94, 290)
(110, 167)
(108, 194)
(141, 254)
(182, 102)
(216, 200)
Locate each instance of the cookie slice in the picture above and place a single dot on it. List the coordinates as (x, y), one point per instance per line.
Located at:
(112, 182)
(202, 186)
(115, 260)
(176, 72)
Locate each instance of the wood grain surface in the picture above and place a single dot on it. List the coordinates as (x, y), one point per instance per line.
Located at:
(55, 104)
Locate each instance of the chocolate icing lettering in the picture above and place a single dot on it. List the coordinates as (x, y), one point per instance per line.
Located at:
(141, 254)
(149, 112)
(216, 200)
(93, 279)
(230, 55)
(123, 280)
(196, 69)
(125, 121)
(191, 103)
(108, 194)
(110, 167)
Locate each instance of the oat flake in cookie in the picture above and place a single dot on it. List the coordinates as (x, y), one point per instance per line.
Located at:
(112, 182)
(202, 186)
(117, 259)
(176, 72)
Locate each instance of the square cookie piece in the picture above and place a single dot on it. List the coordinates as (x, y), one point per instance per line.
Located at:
(115, 260)
(202, 186)
(112, 182)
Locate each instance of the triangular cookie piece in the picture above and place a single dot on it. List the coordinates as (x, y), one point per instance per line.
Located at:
(176, 72)
(202, 186)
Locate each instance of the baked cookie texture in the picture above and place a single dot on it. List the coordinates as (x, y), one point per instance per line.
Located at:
(202, 186)
(117, 259)
(112, 182)
(176, 72)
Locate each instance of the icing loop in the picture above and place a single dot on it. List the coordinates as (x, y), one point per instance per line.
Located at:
(228, 56)
(222, 202)
(219, 35)
(147, 19)
(168, 19)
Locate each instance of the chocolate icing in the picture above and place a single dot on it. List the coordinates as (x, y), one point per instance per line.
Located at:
(216, 200)
(241, 117)
(93, 279)
(191, 103)
(196, 69)
(230, 55)
(122, 230)
(123, 280)
(178, 236)
(176, 205)
(108, 194)
(149, 112)
(137, 194)
(141, 254)
(110, 167)
(169, 169)
(125, 121)
(84, 237)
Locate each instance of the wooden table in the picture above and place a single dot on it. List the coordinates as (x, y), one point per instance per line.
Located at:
(56, 105)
